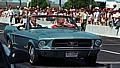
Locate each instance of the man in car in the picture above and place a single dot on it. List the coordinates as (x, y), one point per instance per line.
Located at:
(33, 23)
(61, 22)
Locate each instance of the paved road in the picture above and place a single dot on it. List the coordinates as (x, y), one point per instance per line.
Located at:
(110, 50)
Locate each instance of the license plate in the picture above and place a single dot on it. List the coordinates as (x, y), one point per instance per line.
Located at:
(71, 54)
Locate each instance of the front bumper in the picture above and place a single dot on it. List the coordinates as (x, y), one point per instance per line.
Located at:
(62, 53)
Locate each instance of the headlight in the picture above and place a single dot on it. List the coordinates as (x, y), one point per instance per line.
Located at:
(41, 44)
(98, 43)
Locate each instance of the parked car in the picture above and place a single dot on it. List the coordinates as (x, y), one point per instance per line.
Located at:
(54, 36)
(8, 58)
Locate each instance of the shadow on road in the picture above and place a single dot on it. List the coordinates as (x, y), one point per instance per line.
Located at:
(60, 63)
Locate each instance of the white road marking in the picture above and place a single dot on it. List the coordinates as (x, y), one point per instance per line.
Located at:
(112, 52)
(108, 62)
(112, 44)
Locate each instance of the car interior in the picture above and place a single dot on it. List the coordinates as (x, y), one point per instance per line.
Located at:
(42, 22)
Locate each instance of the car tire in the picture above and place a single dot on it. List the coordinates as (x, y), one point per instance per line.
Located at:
(33, 55)
(91, 60)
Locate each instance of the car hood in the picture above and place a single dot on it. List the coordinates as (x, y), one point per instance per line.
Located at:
(62, 34)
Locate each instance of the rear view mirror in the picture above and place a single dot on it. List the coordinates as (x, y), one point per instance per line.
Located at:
(19, 56)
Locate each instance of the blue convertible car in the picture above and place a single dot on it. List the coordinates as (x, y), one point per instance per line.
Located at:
(53, 36)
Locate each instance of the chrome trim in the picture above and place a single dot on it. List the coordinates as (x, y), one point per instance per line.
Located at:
(67, 48)
(92, 44)
(71, 42)
(71, 47)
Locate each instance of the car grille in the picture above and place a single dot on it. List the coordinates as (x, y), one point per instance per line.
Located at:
(72, 43)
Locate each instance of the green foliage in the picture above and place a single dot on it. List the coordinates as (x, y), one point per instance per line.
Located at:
(67, 5)
(79, 3)
(33, 3)
(40, 3)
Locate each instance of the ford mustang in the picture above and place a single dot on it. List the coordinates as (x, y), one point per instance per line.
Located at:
(53, 36)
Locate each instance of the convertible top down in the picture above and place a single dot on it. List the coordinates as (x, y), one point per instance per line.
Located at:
(54, 37)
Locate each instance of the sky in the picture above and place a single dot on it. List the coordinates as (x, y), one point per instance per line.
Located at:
(106, 0)
(56, 1)
(16, 0)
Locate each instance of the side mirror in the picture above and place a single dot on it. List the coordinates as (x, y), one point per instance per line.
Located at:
(19, 56)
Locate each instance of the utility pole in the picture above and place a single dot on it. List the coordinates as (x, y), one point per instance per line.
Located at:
(90, 5)
(6, 3)
(20, 3)
(29, 3)
(60, 3)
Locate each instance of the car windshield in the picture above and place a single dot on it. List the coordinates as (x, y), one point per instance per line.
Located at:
(52, 22)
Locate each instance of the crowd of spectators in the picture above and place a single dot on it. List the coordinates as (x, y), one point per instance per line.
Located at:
(96, 16)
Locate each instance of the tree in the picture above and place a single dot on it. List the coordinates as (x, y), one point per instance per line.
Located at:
(33, 3)
(68, 5)
(78, 3)
(40, 3)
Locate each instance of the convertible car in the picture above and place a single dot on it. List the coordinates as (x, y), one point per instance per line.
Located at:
(53, 36)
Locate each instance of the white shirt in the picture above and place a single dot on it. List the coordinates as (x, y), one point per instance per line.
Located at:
(43, 13)
(10, 12)
(85, 16)
(96, 15)
(21, 12)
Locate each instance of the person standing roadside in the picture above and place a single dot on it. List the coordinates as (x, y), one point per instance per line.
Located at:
(118, 22)
(83, 19)
(96, 15)
(10, 13)
(90, 17)
(21, 15)
(17, 15)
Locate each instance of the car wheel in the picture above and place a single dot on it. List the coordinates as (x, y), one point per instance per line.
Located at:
(91, 60)
(33, 55)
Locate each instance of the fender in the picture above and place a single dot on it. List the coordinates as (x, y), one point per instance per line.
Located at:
(10, 29)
